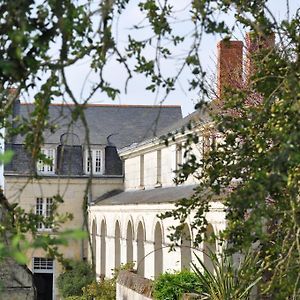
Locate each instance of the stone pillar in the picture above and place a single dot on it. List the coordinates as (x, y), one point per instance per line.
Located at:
(97, 257)
(123, 246)
(110, 256)
(149, 259)
(171, 259)
(134, 242)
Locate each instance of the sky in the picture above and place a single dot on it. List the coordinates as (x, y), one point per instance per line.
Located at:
(81, 79)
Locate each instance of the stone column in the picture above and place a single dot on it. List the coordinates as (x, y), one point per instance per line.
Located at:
(123, 246)
(149, 259)
(110, 256)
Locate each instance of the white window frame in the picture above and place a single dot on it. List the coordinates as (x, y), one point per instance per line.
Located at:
(42, 265)
(97, 156)
(42, 167)
(43, 207)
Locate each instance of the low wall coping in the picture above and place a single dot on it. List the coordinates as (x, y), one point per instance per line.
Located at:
(190, 296)
(135, 282)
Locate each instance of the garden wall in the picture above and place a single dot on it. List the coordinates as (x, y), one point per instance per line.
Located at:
(131, 286)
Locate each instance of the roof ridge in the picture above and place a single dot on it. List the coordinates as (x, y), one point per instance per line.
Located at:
(111, 105)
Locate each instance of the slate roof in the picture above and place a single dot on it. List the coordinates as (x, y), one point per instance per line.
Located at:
(127, 123)
(153, 196)
(196, 117)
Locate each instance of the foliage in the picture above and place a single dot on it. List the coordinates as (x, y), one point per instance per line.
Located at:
(171, 286)
(226, 280)
(254, 169)
(77, 275)
(254, 166)
(101, 290)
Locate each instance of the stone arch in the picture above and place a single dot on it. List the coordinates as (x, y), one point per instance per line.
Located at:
(117, 245)
(209, 248)
(155, 221)
(140, 220)
(129, 242)
(94, 242)
(158, 250)
(185, 248)
(140, 248)
(103, 231)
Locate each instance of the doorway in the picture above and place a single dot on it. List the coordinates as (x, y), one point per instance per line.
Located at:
(43, 277)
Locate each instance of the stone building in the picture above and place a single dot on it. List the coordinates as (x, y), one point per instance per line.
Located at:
(124, 224)
(111, 127)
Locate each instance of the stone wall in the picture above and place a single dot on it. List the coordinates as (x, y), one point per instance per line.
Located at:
(16, 281)
(131, 286)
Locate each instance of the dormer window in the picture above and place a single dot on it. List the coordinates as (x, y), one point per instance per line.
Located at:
(47, 167)
(94, 161)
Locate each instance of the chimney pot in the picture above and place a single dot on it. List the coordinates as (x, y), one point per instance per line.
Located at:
(230, 65)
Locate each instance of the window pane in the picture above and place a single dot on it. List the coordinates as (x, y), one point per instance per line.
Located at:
(88, 164)
(50, 155)
(41, 263)
(47, 167)
(48, 207)
(97, 161)
(39, 210)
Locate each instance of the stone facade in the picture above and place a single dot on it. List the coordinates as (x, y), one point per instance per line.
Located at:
(16, 281)
(125, 226)
(77, 171)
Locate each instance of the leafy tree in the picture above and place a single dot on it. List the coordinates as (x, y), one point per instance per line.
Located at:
(77, 275)
(254, 166)
(255, 169)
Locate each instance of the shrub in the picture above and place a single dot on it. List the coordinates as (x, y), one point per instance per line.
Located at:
(77, 275)
(170, 286)
(101, 290)
(226, 280)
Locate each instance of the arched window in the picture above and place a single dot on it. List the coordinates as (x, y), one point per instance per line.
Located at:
(209, 248)
(129, 243)
(117, 246)
(94, 247)
(103, 249)
(186, 251)
(140, 249)
(158, 251)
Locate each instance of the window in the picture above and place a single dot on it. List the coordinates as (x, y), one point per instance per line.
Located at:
(47, 167)
(44, 208)
(94, 162)
(41, 264)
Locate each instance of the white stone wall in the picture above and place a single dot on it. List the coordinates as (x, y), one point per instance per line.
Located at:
(168, 166)
(168, 158)
(132, 169)
(150, 169)
(147, 215)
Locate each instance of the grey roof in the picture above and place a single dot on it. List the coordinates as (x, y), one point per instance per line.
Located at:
(158, 195)
(196, 117)
(126, 123)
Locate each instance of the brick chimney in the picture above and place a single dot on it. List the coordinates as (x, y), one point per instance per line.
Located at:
(254, 43)
(230, 65)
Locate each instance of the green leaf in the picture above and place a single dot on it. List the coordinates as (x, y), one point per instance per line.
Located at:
(6, 157)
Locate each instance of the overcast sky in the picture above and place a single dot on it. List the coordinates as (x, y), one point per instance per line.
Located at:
(136, 92)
